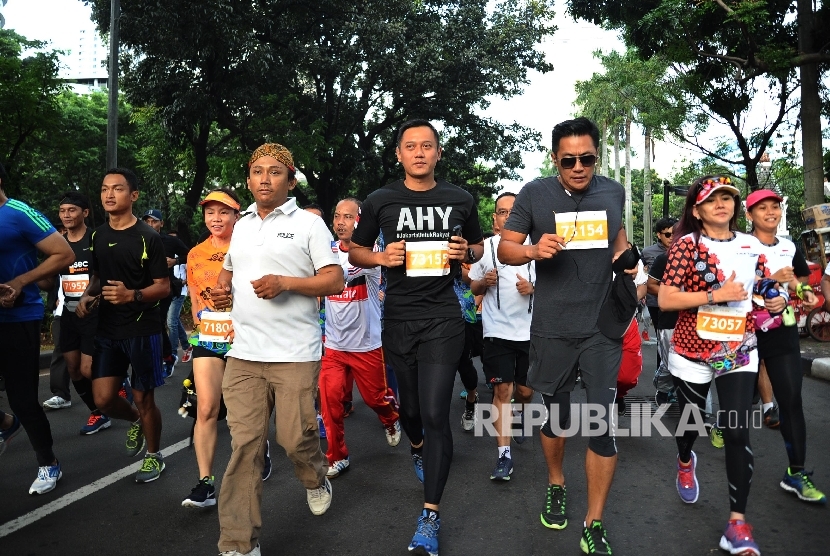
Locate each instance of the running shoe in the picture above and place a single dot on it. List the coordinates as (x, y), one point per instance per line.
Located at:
(170, 366)
(126, 390)
(771, 419)
(338, 468)
(468, 418)
(7, 435)
(56, 402)
(661, 398)
(348, 409)
(319, 499)
(737, 539)
(203, 495)
(321, 426)
(393, 433)
(425, 540)
(47, 479)
(187, 355)
(266, 469)
(254, 552)
(687, 485)
(463, 395)
(96, 423)
(595, 539)
(418, 464)
(151, 468)
(503, 470)
(802, 485)
(519, 436)
(553, 516)
(135, 439)
(716, 436)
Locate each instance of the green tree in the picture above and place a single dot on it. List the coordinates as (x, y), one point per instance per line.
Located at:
(334, 80)
(29, 91)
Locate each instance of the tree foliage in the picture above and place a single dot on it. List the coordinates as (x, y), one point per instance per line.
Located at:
(332, 81)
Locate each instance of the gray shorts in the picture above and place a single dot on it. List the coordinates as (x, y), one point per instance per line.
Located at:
(555, 361)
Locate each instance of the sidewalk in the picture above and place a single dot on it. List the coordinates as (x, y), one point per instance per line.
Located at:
(815, 358)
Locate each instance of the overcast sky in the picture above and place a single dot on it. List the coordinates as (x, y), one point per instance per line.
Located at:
(546, 101)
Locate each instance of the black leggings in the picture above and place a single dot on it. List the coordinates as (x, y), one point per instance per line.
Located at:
(19, 367)
(466, 369)
(785, 374)
(735, 391)
(424, 355)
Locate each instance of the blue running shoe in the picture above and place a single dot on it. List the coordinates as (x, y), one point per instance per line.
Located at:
(463, 395)
(95, 423)
(425, 540)
(737, 539)
(503, 470)
(687, 485)
(9, 433)
(802, 486)
(321, 426)
(418, 464)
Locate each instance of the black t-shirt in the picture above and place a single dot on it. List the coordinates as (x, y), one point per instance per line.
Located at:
(667, 319)
(418, 217)
(75, 278)
(134, 256)
(174, 248)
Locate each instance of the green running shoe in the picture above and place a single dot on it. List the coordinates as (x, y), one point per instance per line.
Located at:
(595, 539)
(151, 468)
(716, 437)
(553, 516)
(803, 487)
(135, 439)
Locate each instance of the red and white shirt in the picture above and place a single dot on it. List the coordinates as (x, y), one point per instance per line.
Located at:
(353, 317)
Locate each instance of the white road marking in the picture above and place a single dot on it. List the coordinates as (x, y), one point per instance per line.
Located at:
(41, 512)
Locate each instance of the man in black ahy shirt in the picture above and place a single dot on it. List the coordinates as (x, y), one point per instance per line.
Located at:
(423, 333)
(129, 278)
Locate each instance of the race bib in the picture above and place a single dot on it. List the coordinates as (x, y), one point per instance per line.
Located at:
(74, 285)
(583, 230)
(722, 324)
(427, 258)
(214, 327)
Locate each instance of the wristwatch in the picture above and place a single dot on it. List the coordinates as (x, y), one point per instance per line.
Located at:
(710, 297)
(138, 297)
(471, 255)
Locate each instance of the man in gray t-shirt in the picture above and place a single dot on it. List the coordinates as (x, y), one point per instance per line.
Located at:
(663, 232)
(574, 222)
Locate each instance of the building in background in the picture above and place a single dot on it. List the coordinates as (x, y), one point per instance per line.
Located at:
(2, 17)
(84, 67)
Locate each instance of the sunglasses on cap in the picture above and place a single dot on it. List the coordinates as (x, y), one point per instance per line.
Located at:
(587, 160)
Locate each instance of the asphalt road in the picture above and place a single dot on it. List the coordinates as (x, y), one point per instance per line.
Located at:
(96, 510)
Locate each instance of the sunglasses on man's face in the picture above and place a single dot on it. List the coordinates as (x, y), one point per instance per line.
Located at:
(587, 160)
(666, 234)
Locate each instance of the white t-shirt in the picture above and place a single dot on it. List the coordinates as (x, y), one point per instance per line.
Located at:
(353, 317)
(288, 242)
(180, 272)
(505, 313)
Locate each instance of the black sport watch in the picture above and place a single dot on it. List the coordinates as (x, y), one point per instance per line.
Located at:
(471, 255)
(138, 297)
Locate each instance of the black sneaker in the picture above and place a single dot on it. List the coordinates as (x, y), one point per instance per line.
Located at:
(553, 516)
(595, 539)
(202, 495)
(771, 419)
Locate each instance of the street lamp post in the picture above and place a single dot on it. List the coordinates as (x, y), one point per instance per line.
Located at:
(112, 108)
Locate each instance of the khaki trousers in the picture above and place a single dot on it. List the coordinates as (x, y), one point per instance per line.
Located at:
(251, 391)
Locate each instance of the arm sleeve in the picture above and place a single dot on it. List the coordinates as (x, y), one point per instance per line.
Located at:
(800, 266)
(678, 261)
(368, 228)
(319, 245)
(156, 259)
(520, 219)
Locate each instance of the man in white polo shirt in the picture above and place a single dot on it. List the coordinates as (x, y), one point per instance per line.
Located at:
(278, 263)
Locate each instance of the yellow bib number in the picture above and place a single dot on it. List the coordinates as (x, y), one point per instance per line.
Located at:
(723, 324)
(583, 230)
(427, 258)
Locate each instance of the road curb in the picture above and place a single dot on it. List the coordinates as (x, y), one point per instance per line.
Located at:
(816, 367)
(45, 359)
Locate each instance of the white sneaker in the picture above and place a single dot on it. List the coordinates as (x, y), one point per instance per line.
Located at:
(319, 499)
(254, 552)
(56, 402)
(393, 434)
(337, 468)
(47, 478)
